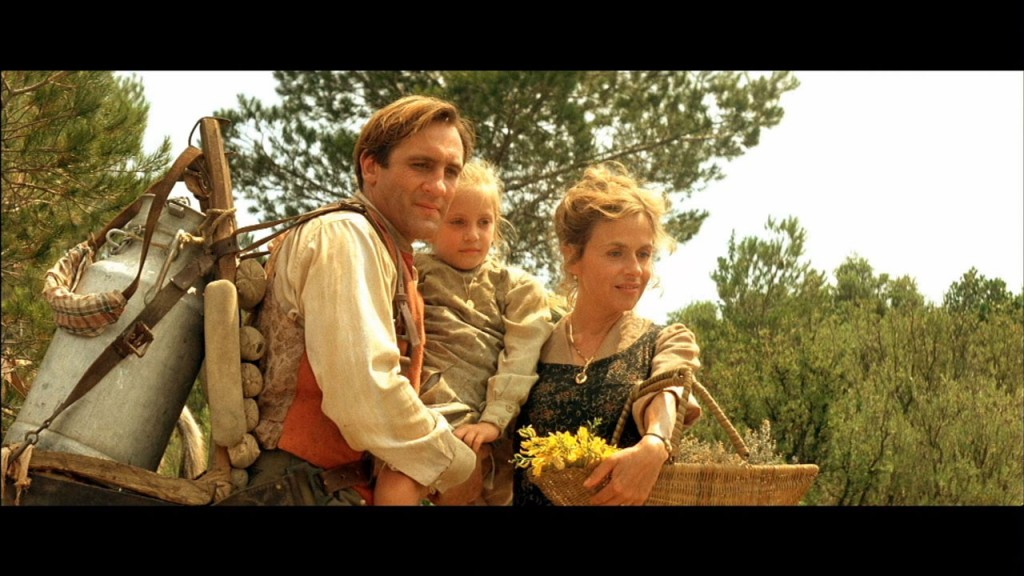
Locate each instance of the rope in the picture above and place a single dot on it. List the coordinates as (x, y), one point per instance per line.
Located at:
(214, 218)
(181, 240)
(115, 246)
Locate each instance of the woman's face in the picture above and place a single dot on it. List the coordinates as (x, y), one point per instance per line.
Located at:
(616, 264)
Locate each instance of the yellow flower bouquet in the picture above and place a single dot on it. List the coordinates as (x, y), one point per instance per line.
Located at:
(561, 450)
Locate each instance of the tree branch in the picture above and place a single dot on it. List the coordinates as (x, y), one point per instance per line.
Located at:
(518, 184)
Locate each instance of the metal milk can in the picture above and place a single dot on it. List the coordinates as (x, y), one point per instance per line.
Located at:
(130, 414)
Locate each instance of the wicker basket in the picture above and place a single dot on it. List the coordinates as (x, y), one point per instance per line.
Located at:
(689, 484)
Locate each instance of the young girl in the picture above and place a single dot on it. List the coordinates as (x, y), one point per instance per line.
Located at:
(485, 323)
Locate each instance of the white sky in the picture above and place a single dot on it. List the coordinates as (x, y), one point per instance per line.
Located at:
(920, 173)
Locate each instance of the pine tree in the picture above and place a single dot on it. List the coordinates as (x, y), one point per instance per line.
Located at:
(72, 159)
(540, 128)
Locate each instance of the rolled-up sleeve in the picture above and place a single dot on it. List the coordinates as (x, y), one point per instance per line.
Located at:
(527, 326)
(676, 348)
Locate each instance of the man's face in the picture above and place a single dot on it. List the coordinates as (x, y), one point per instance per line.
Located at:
(413, 192)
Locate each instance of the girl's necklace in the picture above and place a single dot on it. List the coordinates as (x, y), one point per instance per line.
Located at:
(468, 283)
(581, 377)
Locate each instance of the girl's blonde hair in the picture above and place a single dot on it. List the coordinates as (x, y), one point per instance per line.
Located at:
(481, 174)
(606, 192)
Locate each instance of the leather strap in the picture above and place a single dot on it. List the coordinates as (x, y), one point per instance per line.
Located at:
(160, 190)
(405, 324)
(346, 475)
(133, 339)
(222, 247)
(137, 335)
(279, 478)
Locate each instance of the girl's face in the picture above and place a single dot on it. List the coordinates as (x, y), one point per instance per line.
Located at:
(616, 264)
(467, 231)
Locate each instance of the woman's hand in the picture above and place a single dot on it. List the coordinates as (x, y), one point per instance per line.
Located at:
(476, 435)
(632, 471)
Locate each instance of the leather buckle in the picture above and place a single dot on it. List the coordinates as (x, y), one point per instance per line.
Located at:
(136, 341)
(345, 476)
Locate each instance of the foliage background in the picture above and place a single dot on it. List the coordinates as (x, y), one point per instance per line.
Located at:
(674, 129)
(899, 401)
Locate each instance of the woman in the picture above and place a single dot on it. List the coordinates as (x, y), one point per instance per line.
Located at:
(609, 230)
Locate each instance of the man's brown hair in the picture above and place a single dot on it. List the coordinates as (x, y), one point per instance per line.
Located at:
(402, 118)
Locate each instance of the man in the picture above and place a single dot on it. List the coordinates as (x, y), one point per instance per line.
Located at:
(340, 383)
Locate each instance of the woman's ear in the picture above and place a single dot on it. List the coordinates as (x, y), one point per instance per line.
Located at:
(571, 256)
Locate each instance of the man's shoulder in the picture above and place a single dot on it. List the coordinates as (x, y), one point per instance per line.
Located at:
(343, 231)
(340, 219)
(343, 211)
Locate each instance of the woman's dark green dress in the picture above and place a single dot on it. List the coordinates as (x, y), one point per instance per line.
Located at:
(558, 404)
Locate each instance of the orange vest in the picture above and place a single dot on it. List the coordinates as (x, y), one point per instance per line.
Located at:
(307, 432)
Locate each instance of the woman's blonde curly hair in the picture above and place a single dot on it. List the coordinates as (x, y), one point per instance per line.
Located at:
(606, 192)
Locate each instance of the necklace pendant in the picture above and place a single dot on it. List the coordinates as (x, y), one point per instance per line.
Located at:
(581, 377)
(470, 304)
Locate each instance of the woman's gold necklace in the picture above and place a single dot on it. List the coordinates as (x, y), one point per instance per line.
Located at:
(582, 376)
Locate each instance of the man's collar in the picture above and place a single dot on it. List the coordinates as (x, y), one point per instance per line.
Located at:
(401, 243)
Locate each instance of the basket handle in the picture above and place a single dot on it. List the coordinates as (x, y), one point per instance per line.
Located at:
(681, 377)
